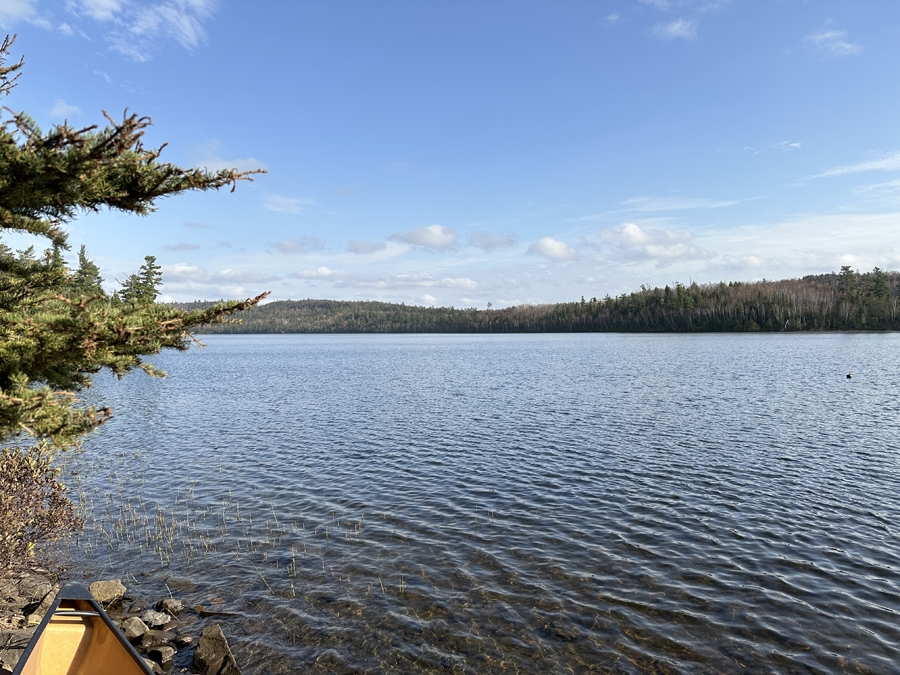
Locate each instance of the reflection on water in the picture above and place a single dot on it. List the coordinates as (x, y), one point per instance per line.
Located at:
(517, 503)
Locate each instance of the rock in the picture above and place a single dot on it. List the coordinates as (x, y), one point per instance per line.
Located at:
(155, 638)
(8, 589)
(153, 618)
(107, 591)
(137, 606)
(154, 666)
(213, 657)
(170, 605)
(39, 611)
(171, 625)
(183, 641)
(163, 656)
(133, 628)
(15, 639)
(33, 589)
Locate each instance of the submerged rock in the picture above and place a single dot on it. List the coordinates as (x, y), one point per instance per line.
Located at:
(170, 605)
(155, 638)
(213, 657)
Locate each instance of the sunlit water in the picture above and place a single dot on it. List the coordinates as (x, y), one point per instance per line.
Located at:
(515, 503)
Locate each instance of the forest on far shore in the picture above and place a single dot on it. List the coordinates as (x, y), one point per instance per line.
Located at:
(846, 300)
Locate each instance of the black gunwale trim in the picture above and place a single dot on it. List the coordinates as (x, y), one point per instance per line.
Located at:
(76, 591)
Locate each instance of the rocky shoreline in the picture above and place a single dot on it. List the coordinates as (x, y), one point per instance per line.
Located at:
(168, 634)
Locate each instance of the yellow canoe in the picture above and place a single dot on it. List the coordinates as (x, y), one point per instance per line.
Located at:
(76, 637)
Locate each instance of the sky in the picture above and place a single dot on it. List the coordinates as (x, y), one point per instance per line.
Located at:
(466, 152)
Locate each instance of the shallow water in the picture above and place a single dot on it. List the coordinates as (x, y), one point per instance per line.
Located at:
(515, 503)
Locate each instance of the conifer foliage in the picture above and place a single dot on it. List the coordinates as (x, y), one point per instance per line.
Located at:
(57, 328)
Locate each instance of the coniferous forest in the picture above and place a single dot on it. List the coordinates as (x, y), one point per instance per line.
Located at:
(846, 300)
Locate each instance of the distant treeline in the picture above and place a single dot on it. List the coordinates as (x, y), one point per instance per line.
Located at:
(844, 301)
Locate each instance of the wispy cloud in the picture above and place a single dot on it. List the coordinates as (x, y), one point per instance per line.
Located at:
(613, 18)
(890, 186)
(674, 203)
(63, 109)
(832, 43)
(301, 245)
(551, 248)
(283, 204)
(785, 146)
(14, 11)
(181, 272)
(685, 29)
(139, 30)
(197, 226)
(884, 162)
(435, 237)
(363, 247)
(635, 243)
(182, 247)
(490, 242)
(391, 282)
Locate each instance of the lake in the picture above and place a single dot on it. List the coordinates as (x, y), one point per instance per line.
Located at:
(514, 503)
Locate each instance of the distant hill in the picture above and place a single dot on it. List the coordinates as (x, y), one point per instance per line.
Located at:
(843, 301)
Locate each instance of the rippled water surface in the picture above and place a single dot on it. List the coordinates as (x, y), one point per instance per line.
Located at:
(516, 503)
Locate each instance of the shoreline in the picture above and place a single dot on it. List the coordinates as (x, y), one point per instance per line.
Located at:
(170, 636)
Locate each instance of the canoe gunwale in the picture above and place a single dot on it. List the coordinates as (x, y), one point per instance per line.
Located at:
(76, 591)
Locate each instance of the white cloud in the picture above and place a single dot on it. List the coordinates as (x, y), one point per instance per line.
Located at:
(301, 245)
(139, 30)
(12, 11)
(63, 109)
(429, 299)
(832, 43)
(889, 187)
(362, 247)
(612, 18)
(785, 146)
(554, 249)
(386, 282)
(630, 240)
(886, 162)
(100, 10)
(685, 29)
(282, 204)
(436, 237)
(182, 272)
(209, 156)
(489, 242)
(674, 203)
(65, 29)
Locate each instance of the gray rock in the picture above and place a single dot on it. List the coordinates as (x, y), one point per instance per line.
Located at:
(183, 641)
(107, 591)
(170, 605)
(212, 656)
(156, 638)
(15, 639)
(41, 609)
(163, 656)
(34, 589)
(137, 606)
(133, 628)
(154, 666)
(8, 589)
(171, 625)
(153, 618)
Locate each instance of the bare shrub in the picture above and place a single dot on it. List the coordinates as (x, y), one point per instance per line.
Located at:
(33, 505)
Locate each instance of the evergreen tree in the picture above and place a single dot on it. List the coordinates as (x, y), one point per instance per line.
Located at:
(150, 278)
(51, 343)
(87, 281)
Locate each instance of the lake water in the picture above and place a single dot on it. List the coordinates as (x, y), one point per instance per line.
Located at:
(514, 503)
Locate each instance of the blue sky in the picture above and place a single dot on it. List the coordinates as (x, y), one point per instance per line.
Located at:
(473, 151)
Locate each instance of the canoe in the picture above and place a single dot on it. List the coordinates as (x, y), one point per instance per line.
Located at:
(76, 637)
